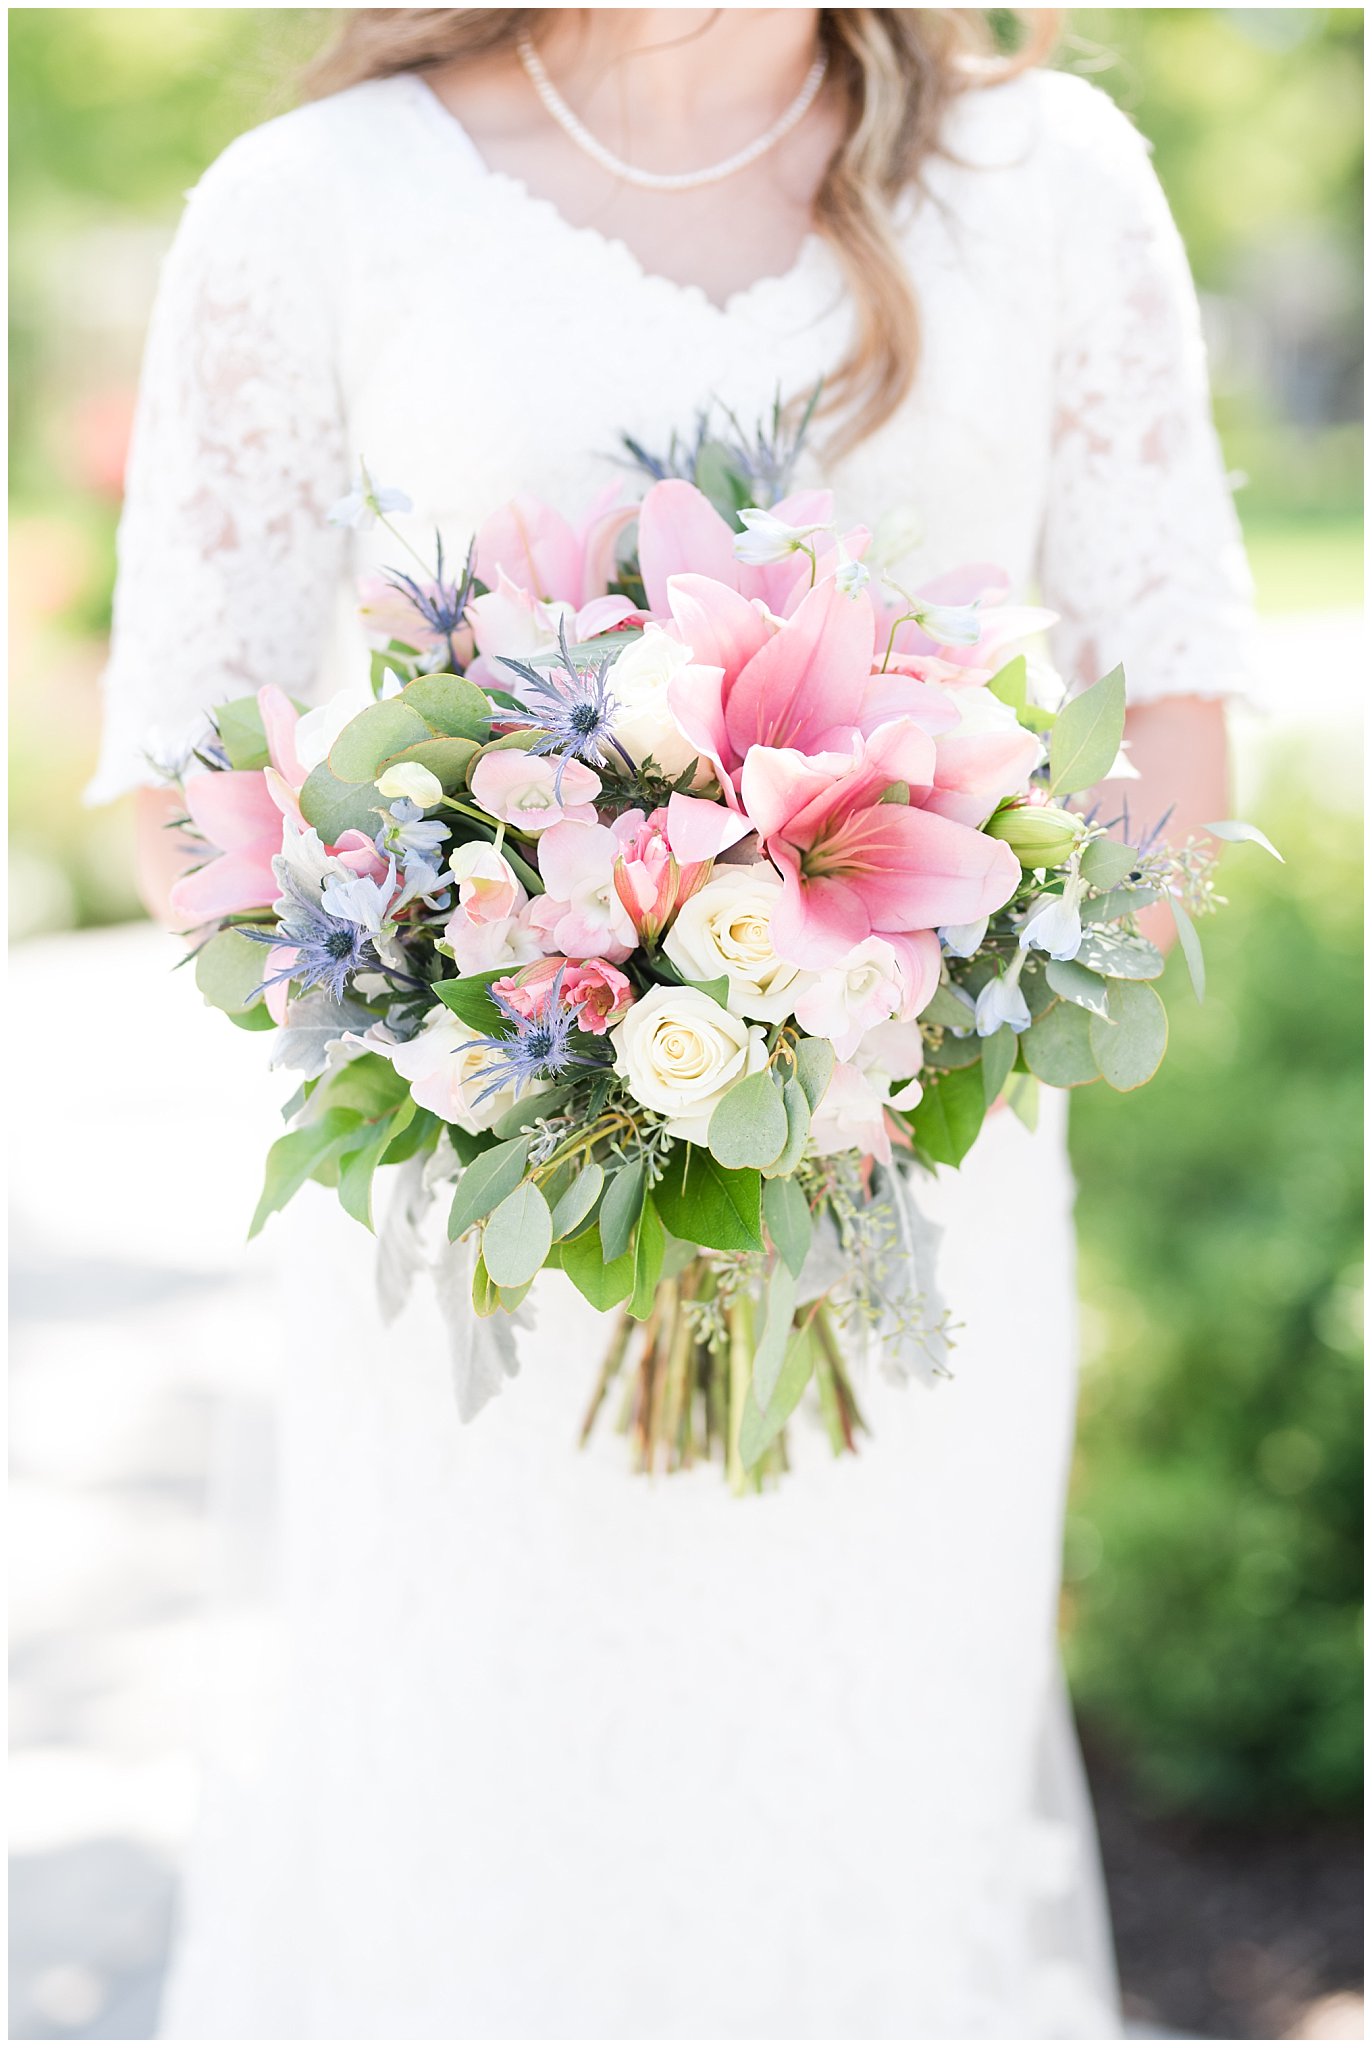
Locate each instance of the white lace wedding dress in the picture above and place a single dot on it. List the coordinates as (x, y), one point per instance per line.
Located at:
(555, 1751)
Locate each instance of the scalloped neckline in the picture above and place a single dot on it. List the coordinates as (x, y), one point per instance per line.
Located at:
(731, 308)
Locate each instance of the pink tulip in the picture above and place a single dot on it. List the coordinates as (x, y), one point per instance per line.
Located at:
(853, 865)
(650, 881)
(603, 993)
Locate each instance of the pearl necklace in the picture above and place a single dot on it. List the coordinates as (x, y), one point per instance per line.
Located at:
(665, 181)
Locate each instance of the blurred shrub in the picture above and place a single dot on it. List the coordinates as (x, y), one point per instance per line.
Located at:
(1213, 1557)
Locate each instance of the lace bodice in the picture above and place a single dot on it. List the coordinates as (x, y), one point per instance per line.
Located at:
(351, 279)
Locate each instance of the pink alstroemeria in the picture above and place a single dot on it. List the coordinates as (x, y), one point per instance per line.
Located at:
(650, 881)
(603, 993)
(853, 865)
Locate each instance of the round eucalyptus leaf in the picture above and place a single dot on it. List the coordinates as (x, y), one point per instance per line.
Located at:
(1058, 1047)
(1130, 1043)
(518, 1236)
(750, 1126)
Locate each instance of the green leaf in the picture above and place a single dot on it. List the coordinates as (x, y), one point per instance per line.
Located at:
(761, 1426)
(1022, 1094)
(1086, 736)
(375, 735)
(335, 807)
(774, 1339)
(1077, 984)
(789, 1222)
(1106, 863)
(814, 1068)
(295, 1158)
(584, 1264)
(240, 727)
(517, 1236)
(797, 1132)
(948, 1010)
(369, 1084)
(749, 1126)
(1130, 1043)
(1234, 830)
(449, 705)
(571, 1211)
(485, 1293)
(449, 760)
(469, 997)
(620, 1208)
(258, 1018)
(650, 1248)
(1057, 1047)
(228, 968)
(533, 1102)
(1118, 957)
(357, 1165)
(417, 1135)
(946, 1121)
(997, 1058)
(1191, 952)
(953, 1052)
(1033, 986)
(1011, 684)
(717, 990)
(490, 1177)
(1120, 903)
(707, 1204)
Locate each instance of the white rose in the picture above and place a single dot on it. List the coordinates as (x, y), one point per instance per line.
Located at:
(726, 928)
(679, 1053)
(448, 1068)
(317, 730)
(639, 682)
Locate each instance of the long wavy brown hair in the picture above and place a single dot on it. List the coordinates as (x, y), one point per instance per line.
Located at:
(895, 69)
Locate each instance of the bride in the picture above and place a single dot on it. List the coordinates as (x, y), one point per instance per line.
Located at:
(554, 1751)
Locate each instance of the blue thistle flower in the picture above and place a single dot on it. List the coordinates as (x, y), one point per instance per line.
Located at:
(541, 1047)
(329, 950)
(572, 710)
(443, 606)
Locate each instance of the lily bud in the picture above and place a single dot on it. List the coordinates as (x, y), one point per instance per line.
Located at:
(1039, 835)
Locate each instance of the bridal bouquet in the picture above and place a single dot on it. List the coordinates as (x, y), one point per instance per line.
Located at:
(676, 892)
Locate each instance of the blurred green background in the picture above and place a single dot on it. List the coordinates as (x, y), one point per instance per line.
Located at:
(1212, 1563)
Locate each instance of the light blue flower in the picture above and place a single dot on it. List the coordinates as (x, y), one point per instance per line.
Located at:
(1054, 924)
(962, 940)
(367, 502)
(359, 900)
(1002, 1002)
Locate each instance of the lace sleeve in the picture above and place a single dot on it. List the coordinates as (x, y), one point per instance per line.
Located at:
(1141, 552)
(227, 567)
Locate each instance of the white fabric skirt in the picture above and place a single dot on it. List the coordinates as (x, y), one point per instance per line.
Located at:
(541, 1748)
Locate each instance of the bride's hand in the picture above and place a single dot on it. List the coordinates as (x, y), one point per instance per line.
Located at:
(1180, 749)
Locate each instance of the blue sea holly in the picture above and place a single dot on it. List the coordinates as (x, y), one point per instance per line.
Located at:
(539, 1048)
(327, 950)
(572, 709)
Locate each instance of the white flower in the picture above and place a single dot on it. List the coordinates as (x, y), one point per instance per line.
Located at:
(678, 1053)
(767, 539)
(447, 1068)
(411, 779)
(365, 503)
(1002, 1002)
(359, 900)
(867, 987)
(319, 728)
(1054, 924)
(852, 1113)
(726, 928)
(962, 940)
(580, 912)
(638, 684)
(304, 858)
(954, 625)
(850, 576)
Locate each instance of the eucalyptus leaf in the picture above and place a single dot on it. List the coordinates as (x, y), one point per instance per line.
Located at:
(1057, 1047)
(797, 1132)
(450, 706)
(375, 735)
(1022, 1094)
(1011, 683)
(997, 1058)
(517, 1236)
(761, 1427)
(242, 733)
(1086, 736)
(770, 1354)
(1119, 903)
(1129, 1045)
(584, 1264)
(491, 1176)
(571, 1211)
(358, 1163)
(789, 1222)
(620, 1208)
(298, 1157)
(749, 1126)
(1120, 958)
(1106, 863)
(1191, 951)
(1077, 984)
(1234, 830)
(950, 1010)
(650, 1248)
(335, 807)
(449, 760)
(948, 1117)
(230, 969)
(814, 1068)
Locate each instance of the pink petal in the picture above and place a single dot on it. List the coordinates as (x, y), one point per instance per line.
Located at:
(816, 923)
(679, 529)
(921, 956)
(233, 808)
(598, 546)
(279, 720)
(721, 627)
(235, 881)
(893, 695)
(920, 870)
(779, 782)
(535, 547)
(989, 765)
(695, 698)
(972, 582)
(603, 614)
(808, 677)
(698, 830)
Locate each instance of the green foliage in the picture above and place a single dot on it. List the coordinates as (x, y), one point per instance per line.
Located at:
(1213, 1555)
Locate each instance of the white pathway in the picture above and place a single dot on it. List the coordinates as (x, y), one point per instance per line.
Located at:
(139, 1317)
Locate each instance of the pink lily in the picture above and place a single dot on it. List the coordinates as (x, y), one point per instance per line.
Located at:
(238, 812)
(541, 552)
(509, 623)
(853, 865)
(680, 532)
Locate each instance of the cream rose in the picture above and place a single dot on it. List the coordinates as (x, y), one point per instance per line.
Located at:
(447, 1068)
(726, 928)
(678, 1053)
(639, 683)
